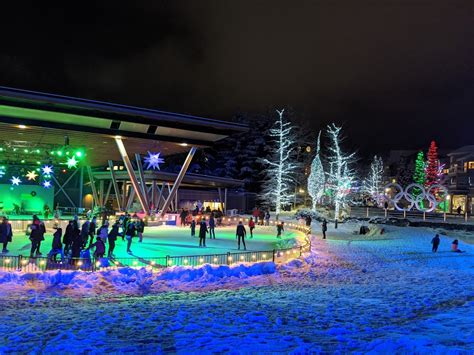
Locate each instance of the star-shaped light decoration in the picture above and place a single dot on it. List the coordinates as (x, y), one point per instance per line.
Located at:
(153, 160)
(47, 184)
(32, 175)
(47, 170)
(72, 162)
(15, 181)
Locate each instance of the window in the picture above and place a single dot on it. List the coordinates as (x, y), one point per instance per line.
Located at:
(471, 165)
(465, 166)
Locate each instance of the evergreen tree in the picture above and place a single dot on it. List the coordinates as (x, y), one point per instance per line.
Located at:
(419, 176)
(316, 179)
(405, 171)
(432, 167)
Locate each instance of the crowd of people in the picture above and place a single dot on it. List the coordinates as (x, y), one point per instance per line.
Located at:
(77, 240)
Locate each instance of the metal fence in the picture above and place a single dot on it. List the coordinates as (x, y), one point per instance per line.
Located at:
(43, 263)
(369, 212)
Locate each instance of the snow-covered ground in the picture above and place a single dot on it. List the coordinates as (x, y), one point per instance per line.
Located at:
(381, 293)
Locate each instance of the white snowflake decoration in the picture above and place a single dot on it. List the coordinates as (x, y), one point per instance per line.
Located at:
(153, 160)
(15, 181)
(47, 170)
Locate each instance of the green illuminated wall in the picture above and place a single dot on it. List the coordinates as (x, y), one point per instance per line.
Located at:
(33, 197)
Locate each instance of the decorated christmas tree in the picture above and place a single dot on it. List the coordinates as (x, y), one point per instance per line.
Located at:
(419, 177)
(432, 166)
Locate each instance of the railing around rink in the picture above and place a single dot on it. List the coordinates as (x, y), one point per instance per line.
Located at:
(44, 263)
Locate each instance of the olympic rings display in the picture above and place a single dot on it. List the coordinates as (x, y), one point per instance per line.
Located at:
(415, 194)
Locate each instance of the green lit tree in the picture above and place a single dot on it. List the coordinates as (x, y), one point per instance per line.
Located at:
(419, 176)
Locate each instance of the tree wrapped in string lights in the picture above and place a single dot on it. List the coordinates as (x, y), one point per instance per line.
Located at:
(340, 177)
(374, 180)
(316, 178)
(281, 167)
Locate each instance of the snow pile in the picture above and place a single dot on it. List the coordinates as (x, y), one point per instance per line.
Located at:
(133, 280)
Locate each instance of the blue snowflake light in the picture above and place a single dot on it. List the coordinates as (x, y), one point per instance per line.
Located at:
(153, 160)
(46, 184)
(47, 169)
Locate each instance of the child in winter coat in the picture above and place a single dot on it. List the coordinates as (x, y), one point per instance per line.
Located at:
(193, 228)
(57, 247)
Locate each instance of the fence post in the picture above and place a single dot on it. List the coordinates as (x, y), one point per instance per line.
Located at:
(20, 258)
(444, 216)
(167, 260)
(301, 250)
(367, 212)
(404, 214)
(385, 213)
(273, 255)
(424, 216)
(228, 258)
(465, 217)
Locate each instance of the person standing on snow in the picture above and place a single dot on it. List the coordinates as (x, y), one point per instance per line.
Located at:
(435, 241)
(240, 234)
(324, 228)
(202, 233)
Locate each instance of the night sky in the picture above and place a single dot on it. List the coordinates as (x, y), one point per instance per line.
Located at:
(396, 73)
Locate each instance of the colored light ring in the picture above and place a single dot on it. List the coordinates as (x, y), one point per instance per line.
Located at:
(415, 194)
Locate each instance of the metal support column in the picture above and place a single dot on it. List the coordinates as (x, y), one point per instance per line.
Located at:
(225, 201)
(131, 174)
(141, 178)
(101, 193)
(114, 183)
(180, 178)
(94, 190)
(81, 184)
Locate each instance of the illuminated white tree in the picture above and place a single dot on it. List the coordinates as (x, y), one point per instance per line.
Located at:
(340, 177)
(373, 184)
(316, 178)
(280, 167)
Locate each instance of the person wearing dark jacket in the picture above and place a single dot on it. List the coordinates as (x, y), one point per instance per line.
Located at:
(324, 228)
(240, 234)
(202, 233)
(85, 233)
(99, 248)
(76, 246)
(113, 234)
(193, 228)
(435, 241)
(57, 247)
(36, 236)
(68, 237)
(140, 229)
(5, 234)
(212, 225)
(92, 228)
(130, 232)
(280, 228)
